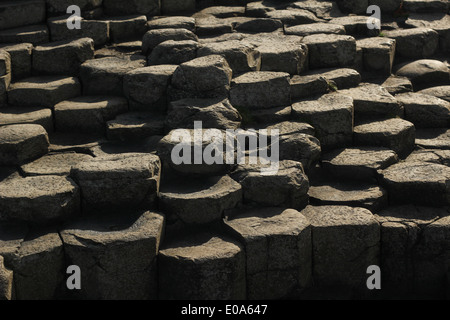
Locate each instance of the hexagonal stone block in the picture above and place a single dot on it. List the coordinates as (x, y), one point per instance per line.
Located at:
(395, 134)
(285, 186)
(202, 266)
(62, 58)
(154, 37)
(104, 76)
(57, 164)
(118, 182)
(430, 155)
(425, 111)
(27, 115)
(419, 183)
(345, 242)
(414, 43)
(125, 28)
(34, 34)
(433, 138)
(260, 90)
(378, 54)
(45, 91)
(20, 59)
(332, 117)
(39, 266)
(173, 52)
(315, 28)
(135, 126)
(21, 143)
(116, 255)
(355, 25)
(362, 195)
(358, 163)
(307, 86)
(341, 78)
(284, 57)
(17, 14)
(172, 22)
(441, 92)
(372, 102)
(182, 199)
(395, 85)
(39, 200)
(278, 251)
(6, 282)
(88, 113)
(242, 57)
(330, 50)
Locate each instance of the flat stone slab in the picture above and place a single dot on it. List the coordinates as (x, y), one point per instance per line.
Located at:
(278, 249)
(55, 164)
(341, 78)
(395, 134)
(332, 117)
(345, 241)
(88, 113)
(260, 90)
(44, 91)
(395, 85)
(97, 30)
(433, 138)
(135, 126)
(378, 54)
(307, 86)
(358, 163)
(372, 101)
(430, 155)
(181, 200)
(285, 185)
(174, 22)
(154, 37)
(34, 34)
(425, 111)
(415, 43)
(362, 195)
(116, 253)
(315, 28)
(118, 182)
(441, 92)
(39, 200)
(20, 143)
(419, 183)
(20, 59)
(202, 266)
(27, 115)
(173, 52)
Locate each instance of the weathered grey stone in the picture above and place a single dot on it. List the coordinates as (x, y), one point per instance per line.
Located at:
(378, 54)
(173, 52)
(345, 241)
(293, 16)
(372, 102)
(35, 34)
(205, 266)
(338, 79)
(241, 57)
(209, 30)
(21, 13)
(419, 183)
(395, 134)
(6, 282)
(135, 125)
(203, 77)
(426, 6)
(27, 115)
(20, 59)
(441, 92)
(358, 163)
(401, 227)
(60, 6)
(105, 76)
(437, 138)
(322, 9)
(97, 30)
(284, 185)
(430, 155)
(118, 7)
(315, 28)
(62, 58)
(330, 50)
(127, 27)
(414, 43)
(20, 143)
(146, 87)
(289, 127)
(11, 237)
(181, 199)
(260, 8)
(332, 117)
(395, 85)
(425, 73)
(271, 115)
(260, 90)
(173, 22)
(39, 266)
(45, 91)
(74, 142)
(154, 37)
(39, 200)
(222, 11)
(307, 85)
(257, 25)
(117, 255)
(88, 113)
(356, 25)
(362, 195)
(214, 113)
(284, 57)
(353, 6)
(386, 5)
(57, 164)
(278, 251)
(425, 111)
(118, 182)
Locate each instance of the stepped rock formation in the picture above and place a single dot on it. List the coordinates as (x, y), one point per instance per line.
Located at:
(230, 150)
